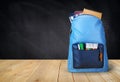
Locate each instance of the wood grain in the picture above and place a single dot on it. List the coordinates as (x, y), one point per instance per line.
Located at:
(52, 71)
(46, 72)
(64, 75)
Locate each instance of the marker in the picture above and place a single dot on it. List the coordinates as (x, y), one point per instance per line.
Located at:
(81, 46)
(88, 46)
(78, 47)
(92, 46)
(95, 46)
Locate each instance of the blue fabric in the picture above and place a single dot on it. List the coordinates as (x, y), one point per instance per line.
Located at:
(87, 28)
(86, 58)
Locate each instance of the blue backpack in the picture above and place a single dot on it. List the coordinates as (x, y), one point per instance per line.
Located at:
(87, 29)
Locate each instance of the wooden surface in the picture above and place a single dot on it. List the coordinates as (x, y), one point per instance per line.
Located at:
(52, 71)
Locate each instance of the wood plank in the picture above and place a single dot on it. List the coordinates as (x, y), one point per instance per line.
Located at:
(52, 71)
(64, 75)
(8, 63)
(94, 77)
(80, 77)
(115, 68)
(18, 71)
(46, 72)
(109, 77)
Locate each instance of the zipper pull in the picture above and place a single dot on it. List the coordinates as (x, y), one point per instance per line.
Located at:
(101, 56)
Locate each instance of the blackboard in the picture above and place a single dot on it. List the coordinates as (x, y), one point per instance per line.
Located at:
(40, 29)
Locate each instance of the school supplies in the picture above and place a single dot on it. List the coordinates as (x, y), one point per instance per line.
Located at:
(91, 12)
(81, 46)
(78, 47)
(91, 46)
(87, 46)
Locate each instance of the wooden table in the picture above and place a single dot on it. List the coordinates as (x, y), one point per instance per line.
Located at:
(52, 71)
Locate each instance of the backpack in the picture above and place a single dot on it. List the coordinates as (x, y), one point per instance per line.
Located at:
(87, 29)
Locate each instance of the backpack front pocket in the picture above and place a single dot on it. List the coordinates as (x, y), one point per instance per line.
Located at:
(87, 58)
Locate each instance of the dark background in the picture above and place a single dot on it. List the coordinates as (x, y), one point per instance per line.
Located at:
(40, 29)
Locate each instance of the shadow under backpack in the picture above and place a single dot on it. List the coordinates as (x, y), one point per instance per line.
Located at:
(87, 29)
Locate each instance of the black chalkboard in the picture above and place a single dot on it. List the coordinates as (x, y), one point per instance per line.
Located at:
(40, 29)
